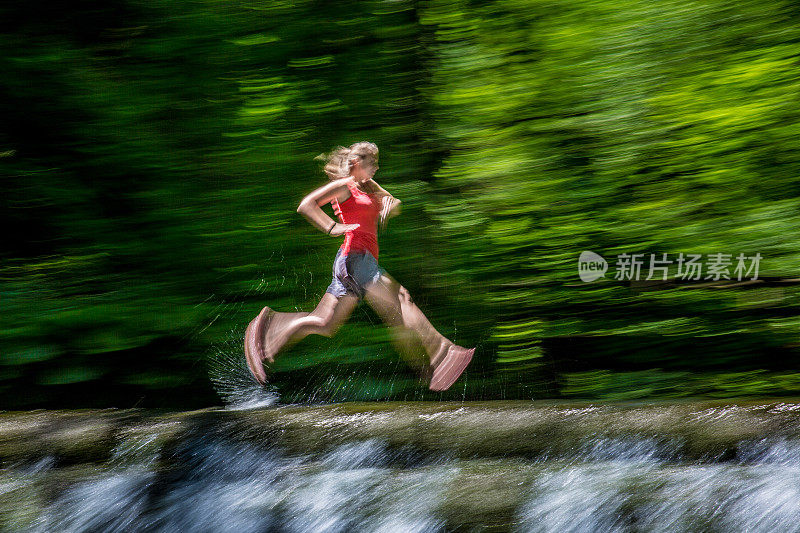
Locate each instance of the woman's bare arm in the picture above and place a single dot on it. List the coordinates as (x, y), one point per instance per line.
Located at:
(390, 206)
(377, 189)
(310, 207)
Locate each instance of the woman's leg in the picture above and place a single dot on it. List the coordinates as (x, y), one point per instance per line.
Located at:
(413, 332)
(270, 332)
(286, 329)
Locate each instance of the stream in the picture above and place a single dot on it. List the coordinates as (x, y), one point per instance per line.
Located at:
(404, 467)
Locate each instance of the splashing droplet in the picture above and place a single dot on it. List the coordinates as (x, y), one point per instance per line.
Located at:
(232, 380)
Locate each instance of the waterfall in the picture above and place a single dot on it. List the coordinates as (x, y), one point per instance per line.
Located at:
(405, 467)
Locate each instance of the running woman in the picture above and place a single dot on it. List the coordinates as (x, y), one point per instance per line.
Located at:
(361, 205)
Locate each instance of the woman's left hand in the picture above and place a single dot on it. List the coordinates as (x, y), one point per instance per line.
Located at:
(389, 204)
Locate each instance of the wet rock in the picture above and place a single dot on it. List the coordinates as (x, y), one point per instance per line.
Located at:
(692, 431)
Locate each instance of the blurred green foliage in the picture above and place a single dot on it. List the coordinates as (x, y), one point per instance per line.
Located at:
(153, 154)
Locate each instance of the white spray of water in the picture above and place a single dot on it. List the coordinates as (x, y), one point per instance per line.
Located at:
(232, 380)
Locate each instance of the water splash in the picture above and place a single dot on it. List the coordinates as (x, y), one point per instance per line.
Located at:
(227, 369)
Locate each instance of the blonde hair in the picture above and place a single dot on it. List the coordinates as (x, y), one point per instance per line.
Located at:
(338, 161)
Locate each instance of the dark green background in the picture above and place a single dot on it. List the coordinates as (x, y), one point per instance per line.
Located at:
(153, 154)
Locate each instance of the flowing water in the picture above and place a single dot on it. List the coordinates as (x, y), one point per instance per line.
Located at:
(405, 467)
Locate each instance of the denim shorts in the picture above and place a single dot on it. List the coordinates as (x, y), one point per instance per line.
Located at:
(352, 273)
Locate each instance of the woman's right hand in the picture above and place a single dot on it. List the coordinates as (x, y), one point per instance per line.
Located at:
(341, 229)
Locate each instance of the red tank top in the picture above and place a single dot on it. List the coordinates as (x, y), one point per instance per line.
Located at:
(361, 208)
